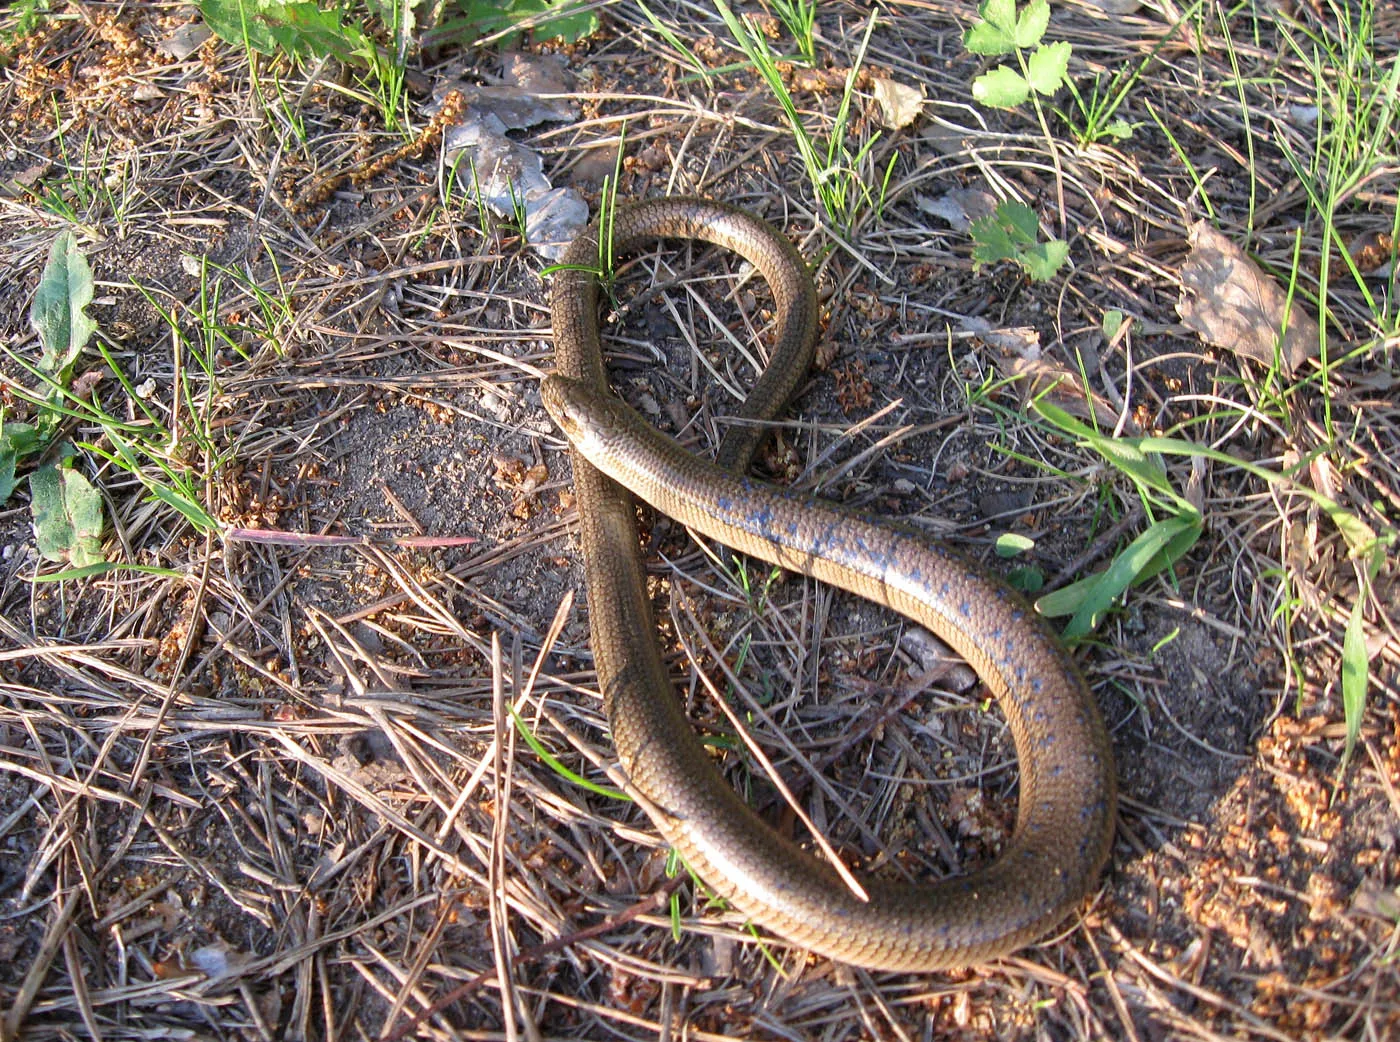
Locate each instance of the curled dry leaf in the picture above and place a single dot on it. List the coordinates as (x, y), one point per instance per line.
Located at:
(1232, 304)
(1046, 379)
(959, 206)
(899, 103)
(1019, 354)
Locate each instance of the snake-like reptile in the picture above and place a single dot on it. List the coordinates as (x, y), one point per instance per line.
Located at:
(1065, 822)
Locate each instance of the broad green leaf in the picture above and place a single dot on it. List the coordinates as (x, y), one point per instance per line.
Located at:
(570, 24)
(323, 32)
(271, 26)
(1001, 88)
(17, 440)
(7, 473)
(1042, 261)
(993, 244)
(1029, 580)
(1047, 66)
(1002, 15)
(67, 515)
(1032, 23)
(1019, 220)
(1135, 457)
(258, 25)
(1146, 470)
(1009, 544)
(57, 314)
(563, 19)
(988, 36)
(1090, 599)
(1111, 323)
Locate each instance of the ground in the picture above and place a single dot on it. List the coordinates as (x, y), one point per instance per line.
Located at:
(333, 763)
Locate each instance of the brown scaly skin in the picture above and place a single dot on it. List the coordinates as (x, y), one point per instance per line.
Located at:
(1065, 822)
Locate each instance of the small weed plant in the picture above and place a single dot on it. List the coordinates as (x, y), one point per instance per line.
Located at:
(305, 30)
(67, 509)
(1040, 69)
(503, 21)
(1012, 233)
(836, 171)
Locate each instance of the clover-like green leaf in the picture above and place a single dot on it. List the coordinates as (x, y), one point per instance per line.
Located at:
(993, 242)
(1032, 23)
(996, 33)
(1001, 88)
(1047, 66)
(1019, 220)
(1043, 260)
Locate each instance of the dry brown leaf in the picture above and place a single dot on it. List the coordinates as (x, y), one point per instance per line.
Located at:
(1234, 305)
(899, 103)
(1046, 379)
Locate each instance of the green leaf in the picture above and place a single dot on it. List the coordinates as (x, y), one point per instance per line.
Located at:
(271, 26)
(563, 18)
(1001, 14)
(1047, 66)
(17, 440)
(104, 567)
(993, 242)
(1029, 580)
(8, 458)
(1111, 323)
(1019, 220)
(1091, 598)
(1032, 23)
(1042, 261)
(244, 23)
(403, 9)
(986, 38)
(1001, 88)
(1356, 674)
(57, 314)
(569, 25)
(1011, 234)
(67, 516)
(556, 765)
(323, 32)
(1009, 544)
